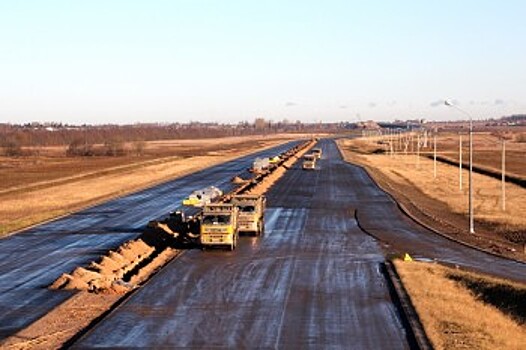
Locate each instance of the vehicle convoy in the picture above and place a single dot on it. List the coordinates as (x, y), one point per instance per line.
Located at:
(219, 225)
(203, 196)
(317, 152)
(251, 213)
(212, 218)
(309, 162)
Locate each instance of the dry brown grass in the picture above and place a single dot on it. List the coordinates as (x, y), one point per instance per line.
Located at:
(51, 166)
(32, 205)
(409, 169)
(487, 147)
(455, 316)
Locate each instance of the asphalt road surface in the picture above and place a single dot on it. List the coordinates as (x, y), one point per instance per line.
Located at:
(312, 281)
(33, 259)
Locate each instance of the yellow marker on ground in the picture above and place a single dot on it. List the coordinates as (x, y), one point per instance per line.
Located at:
(407, 257)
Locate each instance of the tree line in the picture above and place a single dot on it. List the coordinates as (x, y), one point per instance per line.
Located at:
(117, 140)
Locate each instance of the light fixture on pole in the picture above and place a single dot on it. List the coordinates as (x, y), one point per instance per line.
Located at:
(471, 221)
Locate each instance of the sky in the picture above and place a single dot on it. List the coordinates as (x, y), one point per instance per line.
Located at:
(111, 61)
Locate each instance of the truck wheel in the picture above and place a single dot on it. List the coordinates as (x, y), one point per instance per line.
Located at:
(260, 229)
(234, 243)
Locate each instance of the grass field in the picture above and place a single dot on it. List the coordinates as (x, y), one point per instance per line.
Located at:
(462, 310)
(46, 189)
(487, 148)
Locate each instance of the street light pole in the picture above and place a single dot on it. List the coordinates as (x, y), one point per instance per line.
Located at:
(435, 155)
(471, 220)
(503, 174)
(460, 162)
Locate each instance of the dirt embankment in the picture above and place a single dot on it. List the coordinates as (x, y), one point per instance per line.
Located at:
(440, 203)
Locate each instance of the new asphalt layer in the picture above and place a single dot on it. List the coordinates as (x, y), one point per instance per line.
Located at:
(33, 259)
(313, 280)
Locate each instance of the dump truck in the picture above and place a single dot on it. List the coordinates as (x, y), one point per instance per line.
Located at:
(309, 162)
(203, 196)
(317, 152)
(251, 213)
(219, 226)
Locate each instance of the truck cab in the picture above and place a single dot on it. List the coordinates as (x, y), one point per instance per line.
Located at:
(219, 226)
(309, 162)
(317, 152)
(251, 213)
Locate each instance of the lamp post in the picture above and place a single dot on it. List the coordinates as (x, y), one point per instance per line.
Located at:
(471, 221)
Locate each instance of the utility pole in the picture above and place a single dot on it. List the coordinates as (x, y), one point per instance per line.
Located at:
(460, 162)
(435, 155)
(418, 151)
(503, 174)
(471, 214)
(471, 218)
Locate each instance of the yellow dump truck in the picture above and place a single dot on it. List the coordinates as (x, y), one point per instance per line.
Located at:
(219, 226)
(309, 162)
(251, 213)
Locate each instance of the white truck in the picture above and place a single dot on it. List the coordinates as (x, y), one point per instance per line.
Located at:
(309, 162)
(317, 152)
(203, 196)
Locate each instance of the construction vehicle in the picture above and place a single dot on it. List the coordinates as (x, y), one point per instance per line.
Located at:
(309, 162)
(203, 196)
(251, 213)
(219, 226)
(274, 160)
(260, 165)
(317, 152)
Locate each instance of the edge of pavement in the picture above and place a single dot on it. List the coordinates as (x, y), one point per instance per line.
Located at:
(415, 330)
(415, 333)
(410, 215)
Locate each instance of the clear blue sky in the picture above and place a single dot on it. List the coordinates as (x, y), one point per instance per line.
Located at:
(180, 60)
